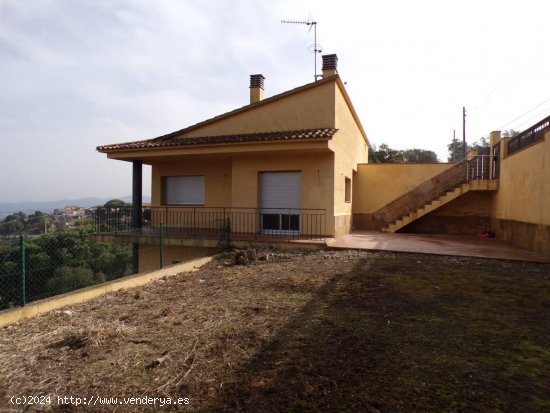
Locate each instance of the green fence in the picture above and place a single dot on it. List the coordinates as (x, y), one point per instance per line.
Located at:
(32, 268)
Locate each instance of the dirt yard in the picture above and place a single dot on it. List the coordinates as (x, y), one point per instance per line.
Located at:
(302, 331)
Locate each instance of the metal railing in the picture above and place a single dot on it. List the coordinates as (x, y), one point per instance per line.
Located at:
(529, 136)
(222, 223)
(474, 168)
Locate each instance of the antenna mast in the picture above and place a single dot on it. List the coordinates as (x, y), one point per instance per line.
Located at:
(316, 48)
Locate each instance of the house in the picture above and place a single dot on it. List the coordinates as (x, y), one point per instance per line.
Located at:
(72, 214)
(74, 211)
(295, 167)
(279, 168)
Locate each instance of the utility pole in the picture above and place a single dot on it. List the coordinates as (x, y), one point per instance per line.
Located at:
(464, 131)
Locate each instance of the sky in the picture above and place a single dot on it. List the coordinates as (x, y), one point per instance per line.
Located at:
(75, 74)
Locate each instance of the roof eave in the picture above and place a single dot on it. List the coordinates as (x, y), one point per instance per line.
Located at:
(128, 154)
(211, 145)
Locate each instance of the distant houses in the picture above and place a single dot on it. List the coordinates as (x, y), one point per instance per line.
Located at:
(74, 213)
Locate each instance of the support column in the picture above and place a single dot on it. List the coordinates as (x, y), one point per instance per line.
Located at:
(495, 153)
(137, 207)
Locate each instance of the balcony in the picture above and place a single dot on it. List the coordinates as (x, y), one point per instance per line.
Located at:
(216, 226)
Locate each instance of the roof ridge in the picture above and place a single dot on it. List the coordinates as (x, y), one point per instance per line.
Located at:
(264, 133)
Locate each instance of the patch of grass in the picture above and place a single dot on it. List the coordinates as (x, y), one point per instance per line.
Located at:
(532, 360)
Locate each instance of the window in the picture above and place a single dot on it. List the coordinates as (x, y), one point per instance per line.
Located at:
(348, 190)
(280, 202)
(184, 190)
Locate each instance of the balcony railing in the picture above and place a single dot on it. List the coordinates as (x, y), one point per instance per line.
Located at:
(530, 136)
(224, 224)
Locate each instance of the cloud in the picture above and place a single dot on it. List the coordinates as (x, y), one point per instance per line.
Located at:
(78, 74)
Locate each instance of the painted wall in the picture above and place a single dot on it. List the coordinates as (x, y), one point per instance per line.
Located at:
(309, 109)
(350, 149)
(316, 181)
(149, 256)
(234, 182)
(378, 184)
(521, 208)
(217, 173)
(524, 191)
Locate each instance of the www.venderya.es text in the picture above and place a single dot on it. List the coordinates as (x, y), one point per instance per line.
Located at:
(94, 400)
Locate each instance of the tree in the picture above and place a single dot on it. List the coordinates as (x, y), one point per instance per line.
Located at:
(38, 223)
(67, 278)
(510, 133)
(60, 261)
(385, 154)
(481, 144)
(13, 224)
(419, 156)
(17, 216)
(456, 148)
(11, 227)
(116, 203)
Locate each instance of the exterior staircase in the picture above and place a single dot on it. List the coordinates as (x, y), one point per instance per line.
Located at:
(473, 174)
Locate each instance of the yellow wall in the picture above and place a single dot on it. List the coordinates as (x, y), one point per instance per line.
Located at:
(149, 256)
(350, 149)
(524, 191)
(234, 181)
(315, 172)
(309, 109)
(521, 207)
(217, 172)
(316, 180)
(378, 184)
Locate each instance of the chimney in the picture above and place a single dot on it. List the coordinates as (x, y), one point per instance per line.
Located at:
(256, 88)
(330, 65)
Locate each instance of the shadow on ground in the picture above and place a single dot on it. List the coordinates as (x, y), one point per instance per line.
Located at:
(389, 337)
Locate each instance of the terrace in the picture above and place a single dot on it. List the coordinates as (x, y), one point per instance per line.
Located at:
(210, 226)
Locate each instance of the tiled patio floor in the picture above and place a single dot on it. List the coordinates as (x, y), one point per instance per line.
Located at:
(460, 245)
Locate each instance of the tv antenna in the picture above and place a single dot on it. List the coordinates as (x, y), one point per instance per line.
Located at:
(314, 48)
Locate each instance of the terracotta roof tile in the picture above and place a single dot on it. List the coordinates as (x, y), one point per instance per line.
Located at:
(304, 134)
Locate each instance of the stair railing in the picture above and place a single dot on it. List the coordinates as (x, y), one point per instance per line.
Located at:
(462, 172)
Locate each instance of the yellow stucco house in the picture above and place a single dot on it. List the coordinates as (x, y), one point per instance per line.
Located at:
(279, 168)
(295, 167)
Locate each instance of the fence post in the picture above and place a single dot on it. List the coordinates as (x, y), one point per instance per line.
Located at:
(23, 269)
(161, 234)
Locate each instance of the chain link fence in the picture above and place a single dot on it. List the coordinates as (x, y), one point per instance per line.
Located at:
(33, 268)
